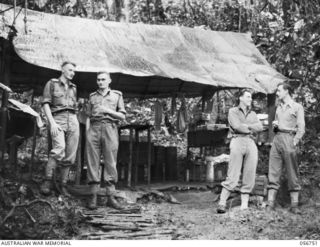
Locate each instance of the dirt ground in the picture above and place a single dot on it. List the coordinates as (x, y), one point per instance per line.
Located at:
(180, 211)
(159, 216)
(196, 218)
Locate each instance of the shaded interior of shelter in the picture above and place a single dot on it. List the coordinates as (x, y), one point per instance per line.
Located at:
(25, 76)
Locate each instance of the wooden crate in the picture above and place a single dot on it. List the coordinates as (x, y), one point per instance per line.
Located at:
(220, 171)
(140, 160)
(201, 138)
(260, 187)
(198, 170)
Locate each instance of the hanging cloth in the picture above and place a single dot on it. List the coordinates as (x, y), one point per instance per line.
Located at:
(157, 115)
(173, 105)
(182, 118)
(212, 108)
(210, 105)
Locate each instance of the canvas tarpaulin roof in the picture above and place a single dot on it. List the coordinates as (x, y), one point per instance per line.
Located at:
(207, 58)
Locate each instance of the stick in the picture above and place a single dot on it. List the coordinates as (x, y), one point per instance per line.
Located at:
(8, 215)
(112, 220)
(126, 211)
(112, 215)
(31, 217)
(5, 88)
(124, 224)
(113, 224)
(132, 228)
(131, 235)
(88, 234)
(124, 215)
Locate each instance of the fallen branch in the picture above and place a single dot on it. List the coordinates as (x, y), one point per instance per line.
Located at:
(112, 214)
(125, 215)
(8, 215)
(100, 233)
(24, 205)
(123, 224)
(120, 227)
(5, 88)
(130, 235)
(108, 219)
(126, 211)
(126, 225)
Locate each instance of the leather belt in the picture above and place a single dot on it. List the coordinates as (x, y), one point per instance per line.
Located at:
(241, 135)
(61, 111)
(291, 132)
(102, 120)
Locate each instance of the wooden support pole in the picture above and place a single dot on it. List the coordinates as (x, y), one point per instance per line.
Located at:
(203, 103)
(4, 113)
(14, 11)
(136, 163)
(149, 156)
(271, 103)
(5, 77)
(25, 16)
(187, 170)
(163, 171)
(130, 157)
(218, 108)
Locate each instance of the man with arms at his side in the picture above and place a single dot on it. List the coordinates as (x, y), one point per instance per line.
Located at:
(106, 109)
(60, 105)
(289, 126)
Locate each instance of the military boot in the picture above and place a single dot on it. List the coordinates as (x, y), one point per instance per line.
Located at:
(294, 195)
(64, 190)
(244, 201)
(271, 199)
(223, 201)
(92, 203)
(46, 186)
(113, 203)
(64, 173)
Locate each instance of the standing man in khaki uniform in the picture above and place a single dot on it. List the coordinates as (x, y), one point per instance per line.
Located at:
(289, 126)
(106, 109)
(244, 123)
(60, 105)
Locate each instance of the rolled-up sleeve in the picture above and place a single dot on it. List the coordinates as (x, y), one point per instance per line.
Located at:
(47, 97)
(120, 106)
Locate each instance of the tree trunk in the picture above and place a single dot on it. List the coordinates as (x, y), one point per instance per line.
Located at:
(286, 7)
(118, 8)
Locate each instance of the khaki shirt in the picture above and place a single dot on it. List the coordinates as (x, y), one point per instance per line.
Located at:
(290, 117)
(243, 123)
(60, 96)
(112, 99)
